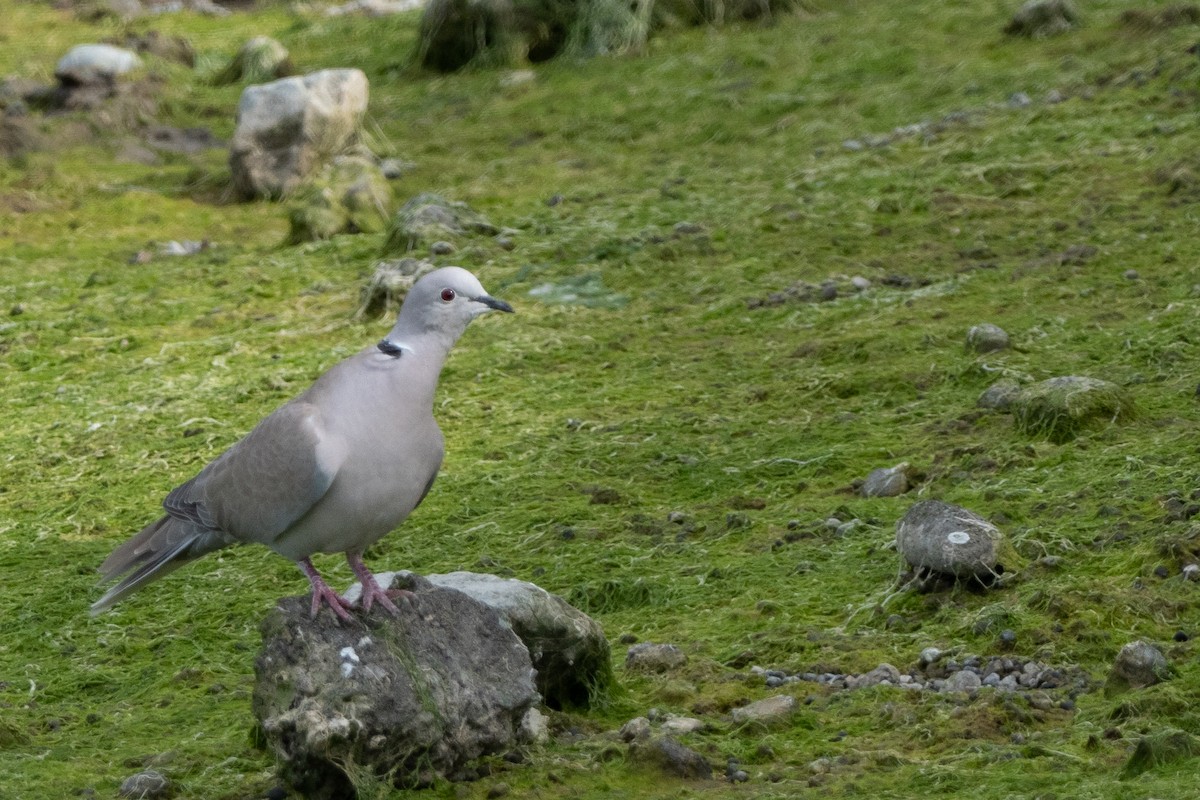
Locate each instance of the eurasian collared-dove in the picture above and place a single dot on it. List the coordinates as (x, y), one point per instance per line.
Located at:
(332, 471)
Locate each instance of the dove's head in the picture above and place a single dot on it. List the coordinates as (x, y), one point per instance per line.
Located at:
(442, 303)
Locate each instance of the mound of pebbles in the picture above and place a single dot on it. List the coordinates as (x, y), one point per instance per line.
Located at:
(936, 672)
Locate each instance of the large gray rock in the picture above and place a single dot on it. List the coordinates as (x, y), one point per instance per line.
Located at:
(408, 699)
(568, 648)
(289, 128)
(948, 539)
(87, 64)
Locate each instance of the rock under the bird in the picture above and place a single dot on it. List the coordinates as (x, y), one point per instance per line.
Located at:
(948, 539)
(651, 657)
(390, 282)
(416, 697)
(568, 648)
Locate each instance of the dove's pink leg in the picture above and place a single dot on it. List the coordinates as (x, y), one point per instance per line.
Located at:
(372, 592)
(321, 591)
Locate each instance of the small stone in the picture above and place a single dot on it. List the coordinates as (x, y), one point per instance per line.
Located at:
(505, 243)
(442, 248)
(1007, 636)
(1055, 96)
(688, 228)
(1192, 572)
(1019, 100)
(498, 790)
(681, 725)
(853, 145)
(886, 482)
(671, 757)
(739, 776)
(534, 727)
(930, 655)
(649, 657)
(963, 681)
(987, 338)
(676, 518)
(999, 396)
(145, 785)
(1181, 636)
(636, 728)
(768, 709)
(833, 523)
(395, 168)
(1138, 665)
(774, 681)
(1131, 275)
(860, 283)
(1161, 571)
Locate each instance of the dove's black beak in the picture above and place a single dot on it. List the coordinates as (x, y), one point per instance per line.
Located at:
(492, 302)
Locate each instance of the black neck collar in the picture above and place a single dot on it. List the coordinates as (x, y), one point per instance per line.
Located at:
(388, 347)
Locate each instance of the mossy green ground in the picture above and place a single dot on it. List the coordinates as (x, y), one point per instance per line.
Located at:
(122, 379)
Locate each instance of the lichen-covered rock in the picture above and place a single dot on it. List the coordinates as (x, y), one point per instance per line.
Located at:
(348, 195)
(568, 648)
(948, 539)
(289, 128)
(1138, 665)
(429, 217)
(1037, 19)
(148, 784)
(409, 698)
(1060, 408)
(260, 59)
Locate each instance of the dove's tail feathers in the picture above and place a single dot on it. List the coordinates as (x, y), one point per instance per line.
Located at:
(159, 549)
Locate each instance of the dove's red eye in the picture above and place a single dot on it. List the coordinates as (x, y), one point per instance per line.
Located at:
(447, 295)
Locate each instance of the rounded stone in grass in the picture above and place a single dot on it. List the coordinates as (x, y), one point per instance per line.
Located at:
(650, 657)
(886, 482)
(1060, 408)
(1037, 19)
(1138, 665)
(145, 785)
(986, 338)
(949, 539)
(999, 396)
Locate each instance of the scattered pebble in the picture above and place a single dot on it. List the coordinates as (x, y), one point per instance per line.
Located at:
(442, 248)
(1192, 572)
(1131, 275)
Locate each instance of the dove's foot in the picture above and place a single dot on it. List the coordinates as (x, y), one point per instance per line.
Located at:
(321, 591)
(372, 592)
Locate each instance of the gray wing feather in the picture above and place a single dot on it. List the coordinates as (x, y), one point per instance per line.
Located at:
(262, 485)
